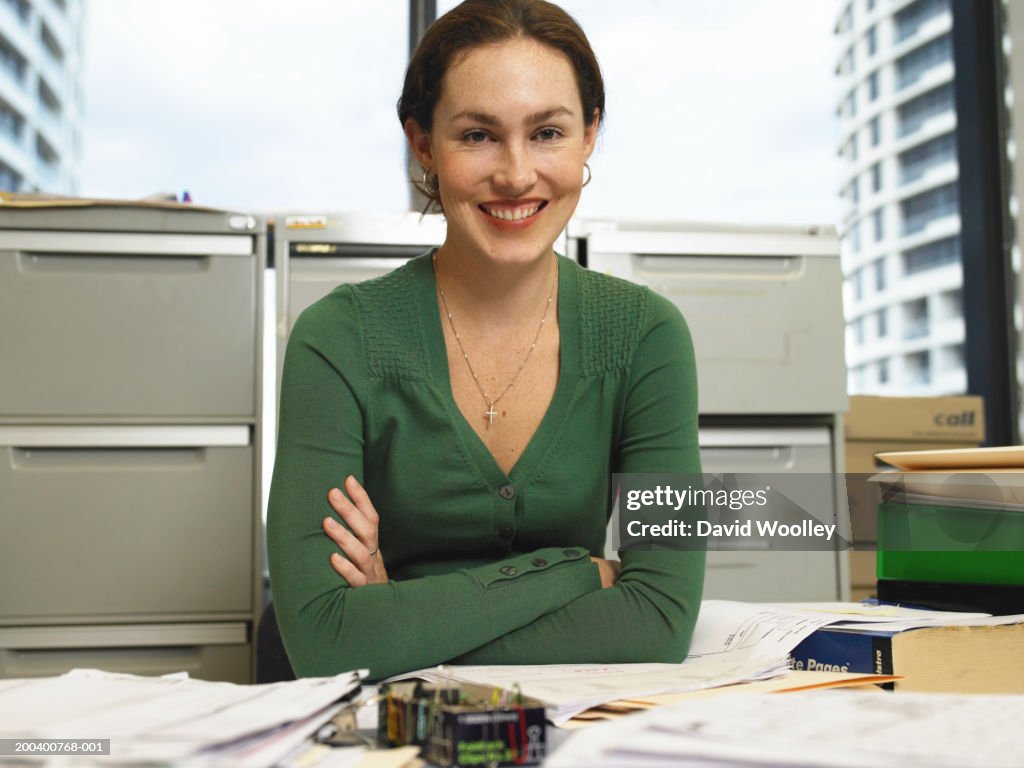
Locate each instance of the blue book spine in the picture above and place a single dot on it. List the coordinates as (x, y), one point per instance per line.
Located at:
(833, 650)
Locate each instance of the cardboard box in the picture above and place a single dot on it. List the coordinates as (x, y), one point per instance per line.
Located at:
(879, 424)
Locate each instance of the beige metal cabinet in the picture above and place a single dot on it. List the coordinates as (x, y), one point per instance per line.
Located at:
(130, 534)
(764, 308)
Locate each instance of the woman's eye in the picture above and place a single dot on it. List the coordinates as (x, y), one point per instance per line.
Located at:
(475, 137)
(548, 134)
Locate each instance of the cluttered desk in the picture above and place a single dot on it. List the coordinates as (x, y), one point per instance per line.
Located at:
(758, 687)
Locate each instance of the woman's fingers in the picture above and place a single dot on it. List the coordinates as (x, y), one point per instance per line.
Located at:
(348, 571)
(355, 550)
(356, 510)
(360, 562)
(361, 500)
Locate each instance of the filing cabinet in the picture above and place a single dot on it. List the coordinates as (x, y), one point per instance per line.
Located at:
(764, 308)
(130, 534)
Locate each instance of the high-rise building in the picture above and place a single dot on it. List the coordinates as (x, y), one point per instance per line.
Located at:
(40, 95)
(901, 221)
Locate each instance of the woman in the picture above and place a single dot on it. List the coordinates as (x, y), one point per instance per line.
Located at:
(474, 403)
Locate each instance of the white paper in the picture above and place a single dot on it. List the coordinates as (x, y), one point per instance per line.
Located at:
(768, 630)
(568, 689)
(163, 718)
(822, 728)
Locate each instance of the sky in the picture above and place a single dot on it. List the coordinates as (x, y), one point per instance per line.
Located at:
(718, 111)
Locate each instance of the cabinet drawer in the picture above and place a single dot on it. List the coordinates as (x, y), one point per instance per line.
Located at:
(773, 577)
(110, 524)
(763, 310)
(97, 325)
(205, 651)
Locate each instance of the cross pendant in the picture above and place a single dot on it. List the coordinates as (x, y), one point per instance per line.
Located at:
(491, 413)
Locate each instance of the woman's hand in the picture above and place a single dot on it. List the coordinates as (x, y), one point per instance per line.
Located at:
(609, 570)
(362, 562)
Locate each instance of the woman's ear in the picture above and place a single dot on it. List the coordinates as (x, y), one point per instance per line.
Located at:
(419, 143)
(590, 134)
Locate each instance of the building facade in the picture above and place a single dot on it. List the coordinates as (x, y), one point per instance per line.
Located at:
(901, 222)
(40, 95)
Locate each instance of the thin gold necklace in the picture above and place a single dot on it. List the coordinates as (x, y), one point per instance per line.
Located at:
(491, 413)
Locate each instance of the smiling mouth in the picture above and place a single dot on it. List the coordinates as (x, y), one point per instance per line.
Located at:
(513, 214)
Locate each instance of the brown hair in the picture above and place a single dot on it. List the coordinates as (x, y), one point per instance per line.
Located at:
(479, 22)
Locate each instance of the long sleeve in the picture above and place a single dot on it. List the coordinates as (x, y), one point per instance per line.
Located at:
(650, 613)
(328, 627)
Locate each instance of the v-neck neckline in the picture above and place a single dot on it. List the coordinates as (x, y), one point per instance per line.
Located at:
(437, 355)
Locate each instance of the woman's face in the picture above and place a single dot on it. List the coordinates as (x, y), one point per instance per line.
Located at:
(508, 146)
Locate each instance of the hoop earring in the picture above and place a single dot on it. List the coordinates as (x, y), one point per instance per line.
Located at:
(586, 167)
(428, 182)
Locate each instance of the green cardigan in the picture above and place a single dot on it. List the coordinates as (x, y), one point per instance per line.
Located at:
(485, 568)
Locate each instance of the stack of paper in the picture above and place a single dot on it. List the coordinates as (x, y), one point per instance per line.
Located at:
(568, 689)
(826, 728)
(733, 642)
(173, 718)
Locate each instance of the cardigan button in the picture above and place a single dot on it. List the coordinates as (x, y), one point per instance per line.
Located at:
(539, 562)
(510, 570)
(571, 553)
(507, 491)
(506, 532)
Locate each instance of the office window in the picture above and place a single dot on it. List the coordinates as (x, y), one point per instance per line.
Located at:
(45, 152)
(854, 190)
(920, 210)
(875, 131)
(918, 367)
(858, 330)
(50, 43)
(915, 319)
(854, 235)
(883, 371)
(917, 161)
(851, 147)
(919, 110)
(20, 8)
(858, 378)
(952, 303)
(846, 20)
(873, 86)
(11, 123)
(11, 60)
(912, 67)
(10, 181)
(910, 19)
(876, 177)
(49, 99)
(882, 322)
(880, 275)
(857, 283)
(879, 224)
(931, 255)
(846, 64)
(871, 41)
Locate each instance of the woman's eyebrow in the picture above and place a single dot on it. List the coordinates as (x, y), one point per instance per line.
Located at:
(487, 119)
(547, 114)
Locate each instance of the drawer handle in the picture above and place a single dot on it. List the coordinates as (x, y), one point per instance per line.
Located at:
(48, 458)
(128, 264)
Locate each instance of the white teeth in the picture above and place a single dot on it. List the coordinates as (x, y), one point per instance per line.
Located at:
(515, 215)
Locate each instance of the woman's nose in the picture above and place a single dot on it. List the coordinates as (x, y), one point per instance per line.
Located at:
(515, 173)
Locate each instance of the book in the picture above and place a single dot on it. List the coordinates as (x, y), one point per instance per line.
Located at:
(982, 657)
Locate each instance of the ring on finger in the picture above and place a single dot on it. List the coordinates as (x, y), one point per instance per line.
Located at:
(375, 550)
